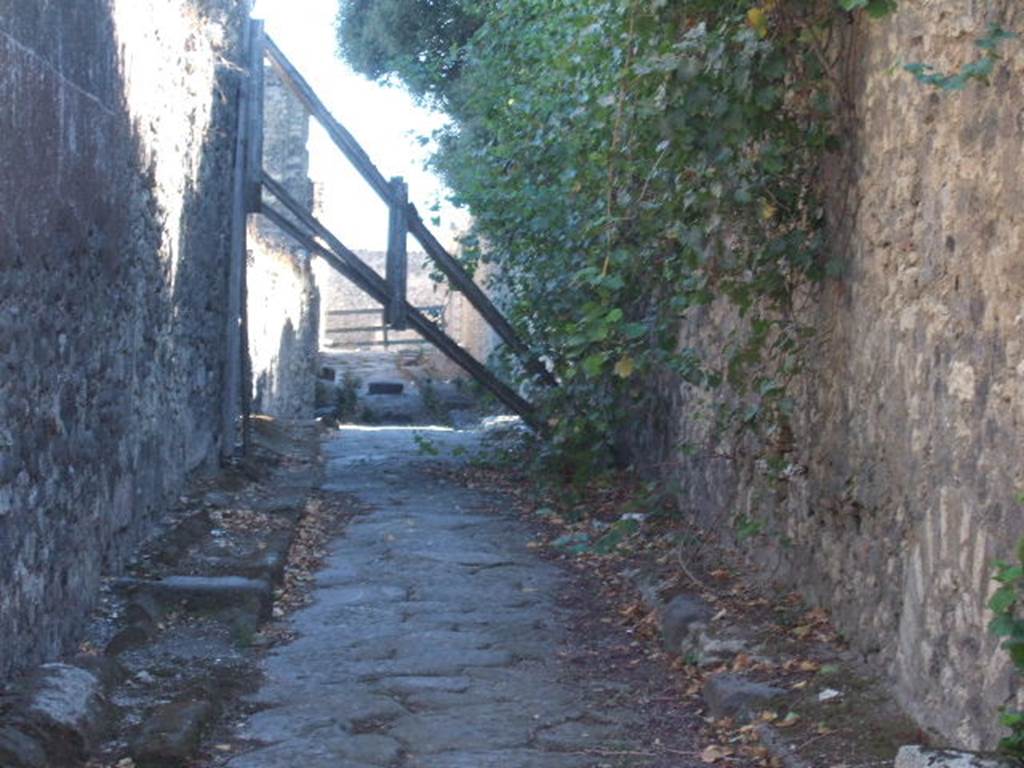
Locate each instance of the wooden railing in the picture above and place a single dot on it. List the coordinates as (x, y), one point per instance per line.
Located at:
(383, 330)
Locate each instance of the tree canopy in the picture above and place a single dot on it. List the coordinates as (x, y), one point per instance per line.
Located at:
(419, 41)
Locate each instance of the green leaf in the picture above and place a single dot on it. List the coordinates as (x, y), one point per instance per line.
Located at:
(1002, 626)
(875, 8)
(634, 330)
(593, 364)
(1003, 599)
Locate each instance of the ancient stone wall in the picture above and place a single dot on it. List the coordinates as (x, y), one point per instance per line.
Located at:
(117, 125)
(901, 481)
(283, 298)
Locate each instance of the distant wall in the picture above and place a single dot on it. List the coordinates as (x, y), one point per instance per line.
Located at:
(117, 125)
(909, 430)
(283, 298)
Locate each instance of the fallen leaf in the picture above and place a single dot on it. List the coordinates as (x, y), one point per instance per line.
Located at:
(791, 719)
(713, 753)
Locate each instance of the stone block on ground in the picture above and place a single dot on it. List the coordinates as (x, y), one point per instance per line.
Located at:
(105, 668)
(266, 564)
(709, 649)
(171, 734)
(281, 503)
(215, 594)
(735, 696)
(925, 757)
(63, 709)
(684, 616)
(132, 636)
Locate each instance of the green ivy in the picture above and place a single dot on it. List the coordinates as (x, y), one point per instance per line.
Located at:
(1008, 624)
(979, 69)
(875, 8)
(631, 166)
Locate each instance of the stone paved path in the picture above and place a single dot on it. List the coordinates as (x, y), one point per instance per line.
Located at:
(433, 638)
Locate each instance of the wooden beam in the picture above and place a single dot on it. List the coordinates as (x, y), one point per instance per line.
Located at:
(339, 135)
(232, 401)
(346, 262)
(359, 329)
(254, 163)
(397, 266)
(451, 268)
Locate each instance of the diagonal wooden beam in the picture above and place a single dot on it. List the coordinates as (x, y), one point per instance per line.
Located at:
(448, 265)
(354, 269)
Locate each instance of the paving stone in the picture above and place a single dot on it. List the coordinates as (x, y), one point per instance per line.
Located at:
(406, 684)
(339, 709)
(475, 728)
(509, 758)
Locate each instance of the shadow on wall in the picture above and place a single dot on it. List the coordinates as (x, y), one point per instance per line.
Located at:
(113, 235)
(272, 382)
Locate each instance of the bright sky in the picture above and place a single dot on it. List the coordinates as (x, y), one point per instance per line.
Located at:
(385, 120)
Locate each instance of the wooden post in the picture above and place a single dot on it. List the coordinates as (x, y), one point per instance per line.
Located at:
(254, 161)
(231, 405)
(396, 270)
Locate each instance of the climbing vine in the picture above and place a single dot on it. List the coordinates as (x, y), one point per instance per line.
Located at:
(1008, 624)
(634, 167)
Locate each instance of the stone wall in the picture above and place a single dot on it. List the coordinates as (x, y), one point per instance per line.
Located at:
(117, 122)
(908, 436)
(283, 298)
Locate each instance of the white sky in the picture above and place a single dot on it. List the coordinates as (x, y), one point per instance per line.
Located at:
(385, 120)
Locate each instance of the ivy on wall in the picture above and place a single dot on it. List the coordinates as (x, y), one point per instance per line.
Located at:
(630, 162)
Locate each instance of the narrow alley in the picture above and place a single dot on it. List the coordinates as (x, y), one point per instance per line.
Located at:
(435, 638)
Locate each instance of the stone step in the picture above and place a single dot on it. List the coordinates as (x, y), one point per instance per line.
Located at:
(206, 594)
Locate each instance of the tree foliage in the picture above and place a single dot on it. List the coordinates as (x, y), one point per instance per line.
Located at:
(629, 163)
(418, 41)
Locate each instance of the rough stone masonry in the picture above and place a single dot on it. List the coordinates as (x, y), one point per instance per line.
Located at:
(117, 132)
(902, 476)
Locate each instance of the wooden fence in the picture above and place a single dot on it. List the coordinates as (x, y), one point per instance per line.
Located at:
(252, 182)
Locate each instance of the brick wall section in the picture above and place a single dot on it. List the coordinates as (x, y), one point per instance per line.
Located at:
(116, 138)
(909, 428)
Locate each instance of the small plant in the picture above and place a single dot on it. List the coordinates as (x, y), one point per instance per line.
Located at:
(347, 397)
(1008, 624)
(432, 404)
(425, 445)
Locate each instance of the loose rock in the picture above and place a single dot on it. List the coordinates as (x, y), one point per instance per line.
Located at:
(18, 750)
(134, 636)
(924, 757)
(728, 695)
(171, 734)
(682, 617)
(63, 708)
